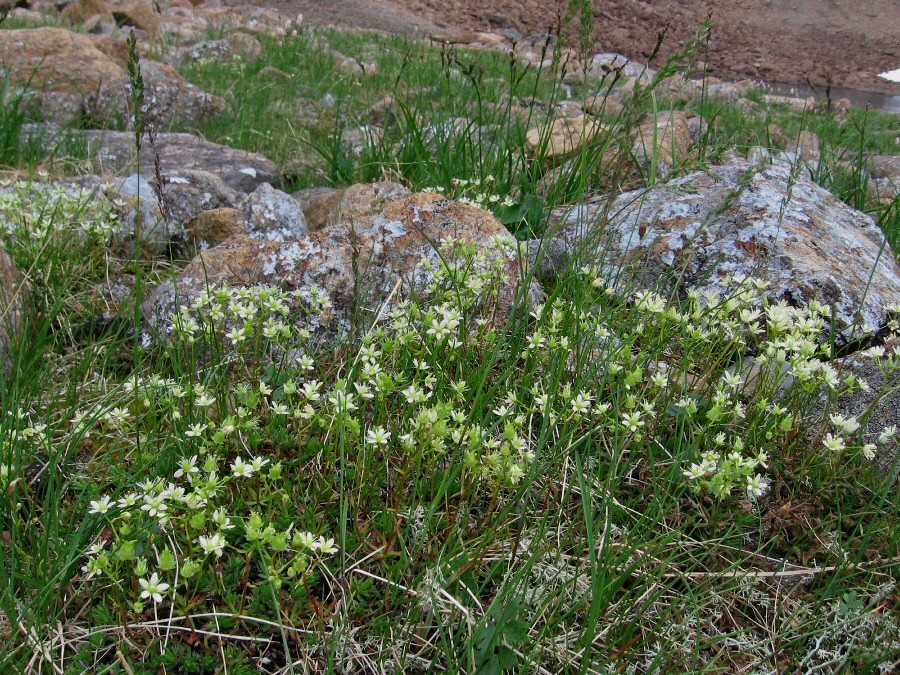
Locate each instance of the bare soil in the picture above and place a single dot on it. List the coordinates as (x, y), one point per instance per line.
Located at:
(840, 42)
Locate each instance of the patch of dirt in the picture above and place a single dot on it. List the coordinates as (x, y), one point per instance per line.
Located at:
(840, 42)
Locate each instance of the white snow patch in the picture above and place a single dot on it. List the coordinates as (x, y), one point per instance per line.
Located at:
(891, 75)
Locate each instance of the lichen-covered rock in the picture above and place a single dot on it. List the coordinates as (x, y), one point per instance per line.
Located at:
(358, 262)
(236, 45)
(608, 63)
(326, 206)
(60, 68)
(72, 79)
(170, 99)
(139, 202)
(14, 290)
(273, 215)
(189, 193)
(884, 177)
(140, 14)
(182, 25)
(739, 219)
(114, 150)
(247, 16)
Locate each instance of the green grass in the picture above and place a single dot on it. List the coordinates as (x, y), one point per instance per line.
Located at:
(531, 491)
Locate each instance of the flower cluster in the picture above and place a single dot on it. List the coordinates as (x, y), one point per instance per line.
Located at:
(29, 212)
(475, 192)
(166, 535)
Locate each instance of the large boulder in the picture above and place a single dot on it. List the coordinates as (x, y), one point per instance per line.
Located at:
(13, 293)
(358, 262)
(59, 68)
(737, 219)
(72, 80)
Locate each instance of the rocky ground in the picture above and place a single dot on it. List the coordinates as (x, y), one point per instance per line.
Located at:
(839, 42)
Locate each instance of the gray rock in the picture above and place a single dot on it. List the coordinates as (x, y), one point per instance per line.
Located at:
(140, 200)
(739, 219)
(603, 64)
(273, 215)
(114, 150)
(189, 193)
(237, 45)
(382, 243)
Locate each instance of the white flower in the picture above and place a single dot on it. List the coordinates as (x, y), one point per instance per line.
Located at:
(154, 588)
(887, 434)
(241, 469)
(205, 400)
(756, 486)
(195, 430)
(846, 425)
(696, 471)
(833, 443)
(868, 451)
(632, 421)
(187, 467)
(117, 416)
(154, 505)
(102, 505)
(325, 546)
(305, 539)
(214, 543)
(221, 520)
(92, 568)
(378, 436)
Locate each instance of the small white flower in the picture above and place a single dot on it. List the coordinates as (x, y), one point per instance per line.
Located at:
(240, 469)
(833, 443)
(846, 425)
(378, 436)
(102, 505)
(325, 546)
(153, 588)
(195, 430)
(756, 486)
(306, 540)
(187, 467)
(214, 543)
